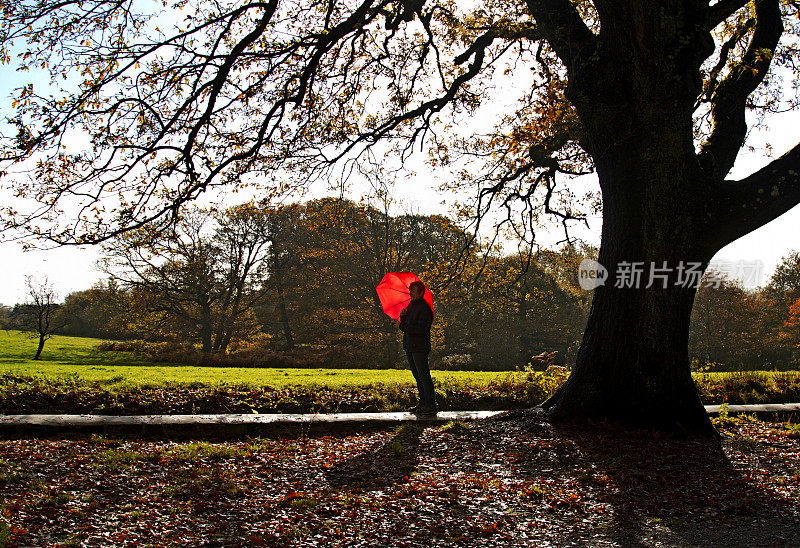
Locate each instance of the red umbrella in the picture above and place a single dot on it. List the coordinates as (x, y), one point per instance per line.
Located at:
(394, 293)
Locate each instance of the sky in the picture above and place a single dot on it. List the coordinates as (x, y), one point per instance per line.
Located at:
(74, 268)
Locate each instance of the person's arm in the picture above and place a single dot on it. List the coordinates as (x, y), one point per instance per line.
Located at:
(403, 325)
(419, 322)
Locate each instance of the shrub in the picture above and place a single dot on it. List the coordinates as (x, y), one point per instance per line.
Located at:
(749, 387)
(516, 390)
(256, 354)
(455, 362)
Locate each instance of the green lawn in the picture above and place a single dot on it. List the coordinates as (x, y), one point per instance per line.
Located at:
(79, 357)
(74, 377)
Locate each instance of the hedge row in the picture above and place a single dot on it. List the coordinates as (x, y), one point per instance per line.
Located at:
(21, 394)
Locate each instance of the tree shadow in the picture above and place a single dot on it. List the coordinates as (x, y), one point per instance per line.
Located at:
(676, 492)
(390, 463)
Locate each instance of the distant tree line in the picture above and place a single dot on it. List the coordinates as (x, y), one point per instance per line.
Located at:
(302, 277)
(734, 328)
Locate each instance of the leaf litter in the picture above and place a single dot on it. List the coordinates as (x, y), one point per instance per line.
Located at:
(510, 482)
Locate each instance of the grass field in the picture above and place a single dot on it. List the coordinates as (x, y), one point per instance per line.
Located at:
(78, 357)
(74, 377)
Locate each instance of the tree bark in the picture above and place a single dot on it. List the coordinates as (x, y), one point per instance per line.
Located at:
(633, 364)
(523, 337)
(206, 329)
(284, 313)
(634, 86)
(41, 346)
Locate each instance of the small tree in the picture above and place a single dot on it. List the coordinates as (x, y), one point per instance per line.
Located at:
(779, 310)
(790, 331)
(102, 312)
(196, 280)
(41, 315)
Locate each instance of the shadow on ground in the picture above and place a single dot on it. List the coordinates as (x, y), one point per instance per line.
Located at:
(390, 463)
(667, 492)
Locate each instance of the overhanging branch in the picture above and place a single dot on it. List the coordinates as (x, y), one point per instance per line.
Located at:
(723, 9)
(728, 105)
(562, 26)
(758, 199)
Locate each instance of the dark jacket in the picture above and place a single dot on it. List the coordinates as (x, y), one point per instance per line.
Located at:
(416, 326)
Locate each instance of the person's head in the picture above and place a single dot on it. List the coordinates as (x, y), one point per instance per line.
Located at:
(417, 290)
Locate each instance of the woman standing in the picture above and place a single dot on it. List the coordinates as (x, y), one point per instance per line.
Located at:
(415, 323)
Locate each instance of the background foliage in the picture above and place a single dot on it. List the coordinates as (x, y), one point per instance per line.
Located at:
(294, 286)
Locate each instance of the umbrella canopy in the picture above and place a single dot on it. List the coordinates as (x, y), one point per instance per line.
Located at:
(394, 294)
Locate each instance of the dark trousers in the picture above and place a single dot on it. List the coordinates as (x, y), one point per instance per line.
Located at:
(418, 362)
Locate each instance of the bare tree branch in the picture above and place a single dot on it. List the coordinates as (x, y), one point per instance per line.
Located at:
(718, 154)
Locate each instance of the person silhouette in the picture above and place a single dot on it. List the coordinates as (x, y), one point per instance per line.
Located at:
(415, 323)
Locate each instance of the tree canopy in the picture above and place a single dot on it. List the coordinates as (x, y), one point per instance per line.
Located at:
(172, 98)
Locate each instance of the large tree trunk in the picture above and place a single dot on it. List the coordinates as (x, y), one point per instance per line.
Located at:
(633, 363)
(634, 85)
